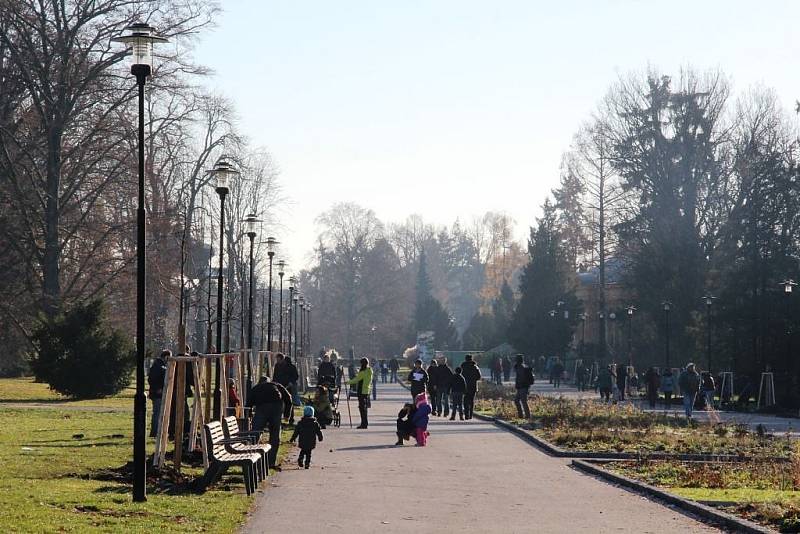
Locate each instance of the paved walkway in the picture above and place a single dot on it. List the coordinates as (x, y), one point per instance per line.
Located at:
(472, 477)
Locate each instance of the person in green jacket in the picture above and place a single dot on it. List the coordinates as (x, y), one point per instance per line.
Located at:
(364, 382)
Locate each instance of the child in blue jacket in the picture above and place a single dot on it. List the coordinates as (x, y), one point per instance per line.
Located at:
(420, 419)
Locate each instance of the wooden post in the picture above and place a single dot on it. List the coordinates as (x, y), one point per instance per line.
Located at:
(166, 410)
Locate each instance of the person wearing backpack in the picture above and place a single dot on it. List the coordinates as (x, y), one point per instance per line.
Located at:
(523, 381)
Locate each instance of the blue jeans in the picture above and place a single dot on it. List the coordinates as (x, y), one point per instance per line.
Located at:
(156, 417)
(521, 402)
(688, 403)
(444, 401)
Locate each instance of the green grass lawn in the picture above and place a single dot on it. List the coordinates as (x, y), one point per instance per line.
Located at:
(55, 481)
(25, 390)
(736, 495)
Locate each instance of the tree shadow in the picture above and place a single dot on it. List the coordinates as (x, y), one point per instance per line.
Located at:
(366, 448)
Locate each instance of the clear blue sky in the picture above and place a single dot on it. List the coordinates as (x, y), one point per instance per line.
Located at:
(452, 108)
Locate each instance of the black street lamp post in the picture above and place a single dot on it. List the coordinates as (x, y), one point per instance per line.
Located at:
(788, 285)
(292, 289)
(251, 222)
(281, 272)
(223, 171)
(630, 311)
(140, 40)
(309, 307)
(271, 242)
(295, 303)
(302, 304)
(709, 300)
(666, 305)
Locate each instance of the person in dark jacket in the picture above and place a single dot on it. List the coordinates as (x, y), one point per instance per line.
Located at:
(433, 386)
(522, 382)
(506, 368)
(271, 400)
(326, 372)
(418, 379)
(443, 389)
(622, 381)
(405, 425)
(557, 373)
(394, 365)
(652, 381)
(285, 374)
(472, 375)
(457, 388)
(308, 431)
(155, 379)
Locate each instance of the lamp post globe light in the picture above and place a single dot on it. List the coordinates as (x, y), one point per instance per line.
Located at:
(666, 305)
(251, 224)
(271, 242)
(140, 39)
(223, 172)
(708, 299)
(281, 273)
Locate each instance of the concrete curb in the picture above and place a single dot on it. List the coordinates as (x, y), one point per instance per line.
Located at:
(558, 452)
(729, 521)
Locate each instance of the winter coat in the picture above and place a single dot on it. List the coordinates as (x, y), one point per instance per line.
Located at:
(445, 377)
(418, 378)
(605, 379)
(323, 408)
(269, 392)
(285, 373)
(421, 416)
(155, 377)
(365, 378)
(472, 375)
(708, 382)
(652, 379)
(458, 384)
(689, 381)
(326, 373)
(308, 431)
(393, 364)
(523, 376)
(433, 377)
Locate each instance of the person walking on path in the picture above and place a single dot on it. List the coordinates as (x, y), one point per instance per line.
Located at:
(708, 388)
(418, 379)
(443, 389)
(523, 381)
(374, 364)
(285, 374)
(394, 365)
(155, 379)
(421, 419)
(363, 383)
(652, 381)
(271, 400)
(667, 387)
(497, 370)
(558, 373)
(458, 386)
(384, 371)
(605, 382)
(308, 431)
(689, 382)
(622, 381)
(472, 375)
(433, 386)
(506, 368)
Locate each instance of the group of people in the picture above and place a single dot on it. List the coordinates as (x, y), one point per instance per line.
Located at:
(694, 387)
(452, 391)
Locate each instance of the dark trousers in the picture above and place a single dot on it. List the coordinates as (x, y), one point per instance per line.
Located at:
(458, 404)
(154, 420)
(363, 402)
(443, 396)
(667, 399)
(269, 416)
(652, 395)
(305, 457)
(469, 403)
(394, 376)
(436, 405)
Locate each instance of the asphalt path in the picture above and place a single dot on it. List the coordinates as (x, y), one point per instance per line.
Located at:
(472, 477)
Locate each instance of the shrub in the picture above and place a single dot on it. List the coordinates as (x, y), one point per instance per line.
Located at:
(79, 355)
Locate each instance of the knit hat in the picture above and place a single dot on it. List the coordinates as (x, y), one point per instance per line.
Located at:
(422, 398)
(308, 411)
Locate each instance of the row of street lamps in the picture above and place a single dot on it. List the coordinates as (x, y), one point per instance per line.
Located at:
(139, 40)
